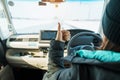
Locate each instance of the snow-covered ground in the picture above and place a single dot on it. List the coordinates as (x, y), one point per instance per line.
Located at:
(31, 26)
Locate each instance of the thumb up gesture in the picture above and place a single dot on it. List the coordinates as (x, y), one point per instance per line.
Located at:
(62, 35)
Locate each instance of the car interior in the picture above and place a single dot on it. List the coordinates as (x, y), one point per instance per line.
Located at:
(28, 26)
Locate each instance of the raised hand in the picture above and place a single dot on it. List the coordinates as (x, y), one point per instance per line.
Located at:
(62, 35)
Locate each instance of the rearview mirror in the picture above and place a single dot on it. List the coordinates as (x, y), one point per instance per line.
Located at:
(53, 1)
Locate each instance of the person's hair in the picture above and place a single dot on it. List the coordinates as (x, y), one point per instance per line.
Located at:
(108, 45)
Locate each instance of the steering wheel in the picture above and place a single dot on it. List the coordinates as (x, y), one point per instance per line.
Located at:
(84, 40)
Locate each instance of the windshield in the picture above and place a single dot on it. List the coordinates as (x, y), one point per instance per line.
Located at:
(30, 17)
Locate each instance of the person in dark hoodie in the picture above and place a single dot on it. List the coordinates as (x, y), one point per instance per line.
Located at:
(103, 64)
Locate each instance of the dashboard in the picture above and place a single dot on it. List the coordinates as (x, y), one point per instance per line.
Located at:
(28, 41)
(31, 41)
(31, 50)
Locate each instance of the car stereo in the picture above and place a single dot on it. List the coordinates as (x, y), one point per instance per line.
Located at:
(47, 35)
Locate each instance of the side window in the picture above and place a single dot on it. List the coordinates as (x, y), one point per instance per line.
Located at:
(4, 32)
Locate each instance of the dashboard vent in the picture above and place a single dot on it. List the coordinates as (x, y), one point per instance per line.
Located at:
(23, 39)
(33, 39)
(16, 39)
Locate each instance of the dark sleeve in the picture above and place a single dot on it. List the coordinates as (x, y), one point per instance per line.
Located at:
(56, 70)
(56, 52)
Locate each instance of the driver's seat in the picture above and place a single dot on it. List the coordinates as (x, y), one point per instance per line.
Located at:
(99, 71)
